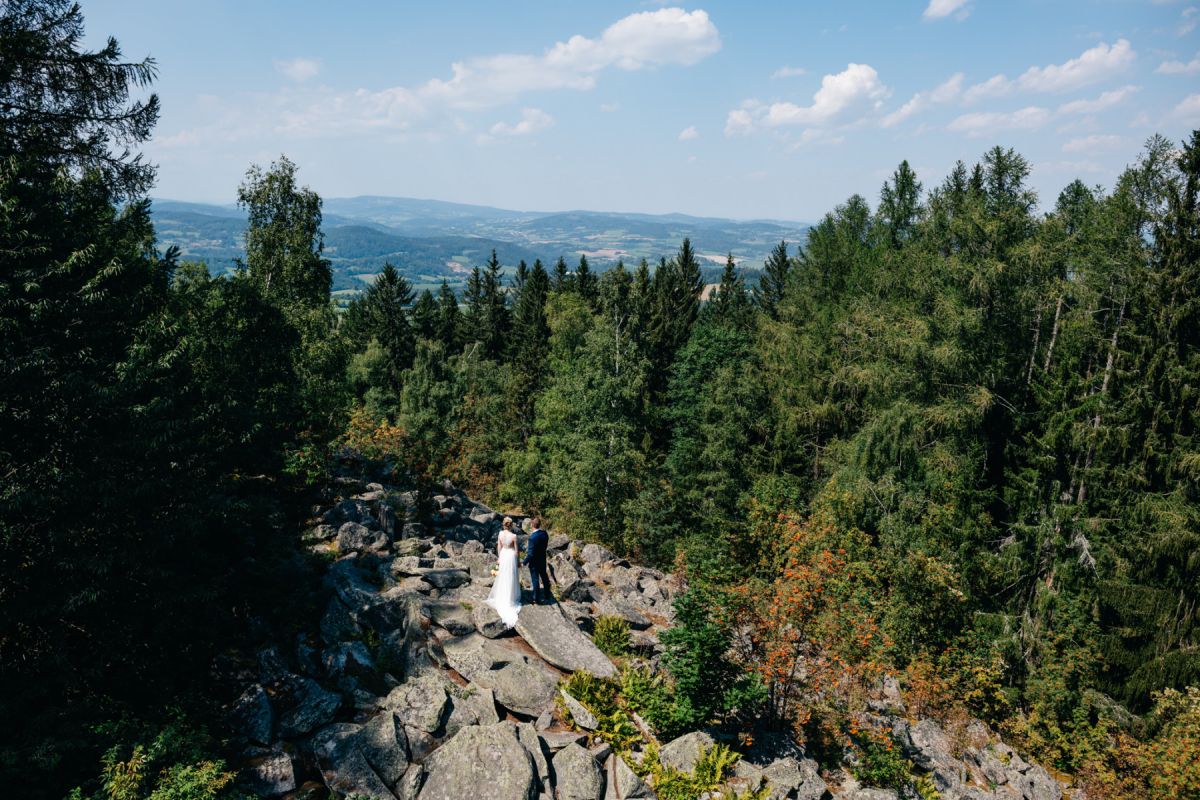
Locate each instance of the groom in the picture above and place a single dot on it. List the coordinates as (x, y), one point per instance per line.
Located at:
(535, 559)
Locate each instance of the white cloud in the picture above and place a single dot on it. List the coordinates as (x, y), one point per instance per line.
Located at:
(532, 120)
(689, 133)
(937, 9)
(739, 122)
(1187, 21)
(1090, 144)
(298, 69)
(844, 98)
(854, 89)
(995, 86)
(788, 72)
(1092, 66)
(1179, 67)
(644, 40)
(946, 92)
(1104, 102)
(981, 123)
(1188, 108)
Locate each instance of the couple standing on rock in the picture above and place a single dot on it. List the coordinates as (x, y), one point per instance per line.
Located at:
(505, 596)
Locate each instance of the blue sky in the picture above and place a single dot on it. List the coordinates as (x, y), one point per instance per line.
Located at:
(740, 109)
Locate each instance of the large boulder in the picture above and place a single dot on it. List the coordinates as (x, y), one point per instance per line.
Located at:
(684, 752)
(595, 554)
(790, 779)
(450, 578)
(623, 783)
(420, 703)
(557, 640)
(304, 706)
(619, 607)
(521, 688)
(385, 745)
(353, 536)
(577, 775)
(487, 621)
(252, 716)
(479, 761)
(344, 766)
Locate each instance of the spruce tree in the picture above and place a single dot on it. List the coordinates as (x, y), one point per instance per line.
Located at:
(773, 282)
(495, 315)
(449, 323)
(563, 280)
(424, 315)
(585, 282)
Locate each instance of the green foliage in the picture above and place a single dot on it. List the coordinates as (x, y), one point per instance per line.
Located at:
(612, 635)
(881, 764)
(713, 766)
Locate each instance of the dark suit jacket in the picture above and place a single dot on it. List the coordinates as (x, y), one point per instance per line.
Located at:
(535, 549)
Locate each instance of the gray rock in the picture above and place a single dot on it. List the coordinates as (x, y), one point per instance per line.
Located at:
(684, 752)
(348, 658)
(488, 756)
(601, 751)
(579, 713)
(269, 774)
(471, 705)
(473, 656)
(453, 616)
(557, 740)
(337, 623)
(350, 583)
(791, 779)
(344, 766)
(577, 775)
(409, 785)
(519, 687)
(557, 640)
(420, 702)
(624, 783)
(353, 536)
(595, 554)
(622, 609)
(472, 546)
(345, 511)
(533, 745)
(304, 706)
(487, 621)
(447, 578)
(251, 715)
(385, 745)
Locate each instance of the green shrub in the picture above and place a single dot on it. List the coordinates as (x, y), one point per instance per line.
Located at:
(881, 765)
(612, 636)
(711, 770)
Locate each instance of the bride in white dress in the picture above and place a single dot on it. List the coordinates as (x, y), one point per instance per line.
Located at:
(505, 596)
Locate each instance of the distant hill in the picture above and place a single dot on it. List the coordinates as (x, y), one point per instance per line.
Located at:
(432, 240)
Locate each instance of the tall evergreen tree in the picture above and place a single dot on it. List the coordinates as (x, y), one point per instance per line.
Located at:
(425, 315)
(585, 282)
(730, 304)
(773, 282)
(449, 324)
(495, 316)
(563, 280)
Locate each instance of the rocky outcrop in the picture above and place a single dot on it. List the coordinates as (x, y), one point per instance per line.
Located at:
(410, 687)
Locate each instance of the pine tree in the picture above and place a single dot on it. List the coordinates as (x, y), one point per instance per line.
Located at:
(386, 301)
(495, 316)
(449, 324)
(773, 282)
(731, 305)
(531, 344)
(585, 282)
(900, 205)
(563, 280)
(424, 316)
(474, 318)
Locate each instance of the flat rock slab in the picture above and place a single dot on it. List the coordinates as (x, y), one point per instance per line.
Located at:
(560, 642)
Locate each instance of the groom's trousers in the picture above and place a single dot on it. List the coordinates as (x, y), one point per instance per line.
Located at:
(537, 574)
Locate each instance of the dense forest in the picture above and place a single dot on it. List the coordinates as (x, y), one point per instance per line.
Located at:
(954, 438)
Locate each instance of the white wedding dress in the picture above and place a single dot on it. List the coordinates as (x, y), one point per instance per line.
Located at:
(505, 596)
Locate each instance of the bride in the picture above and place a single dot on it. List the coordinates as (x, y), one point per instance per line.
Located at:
(505, 596)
